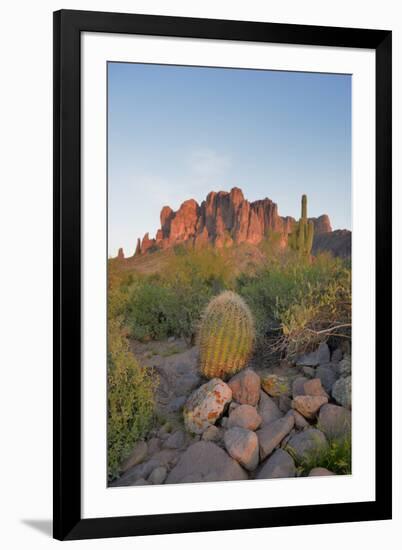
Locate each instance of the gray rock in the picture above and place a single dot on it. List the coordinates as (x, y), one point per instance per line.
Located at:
(166, 457)
(177, 404)
(268, 409)
(345, 366)
(320, 472)
(137, 455)
(307, 442)
(336, 355)
(285, 403)
(309, 372)
(309, 405)
(154, 445)
(300, 422)
(140, 481)
(328, 376)
(279, 464)
(298, 386)
(244, 416)
(158, 476)
(319, 356)
(205, 461)
(334, 421)
(242, 445)
(176, 440)
(206, 405)
(342, 391)
(245, 387)
(272, 434)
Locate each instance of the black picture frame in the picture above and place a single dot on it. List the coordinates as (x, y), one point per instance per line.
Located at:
(68, 26)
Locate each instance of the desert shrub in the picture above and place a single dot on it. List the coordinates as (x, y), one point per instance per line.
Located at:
(337, 458)
(298, 303)
(130, 398)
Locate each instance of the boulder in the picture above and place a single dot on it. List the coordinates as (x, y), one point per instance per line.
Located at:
(334, 421)
(272, 434)
(342, 391)
(268, 409)
(242, 445)
(275, 385)
(137, 455)
(320, 472)
(307, 442)
(205, 461)
(158, 476)
(279, 464)
(245, 387)
(314, 387)
(309, 405)
(319, 356)
(205, 405)
(244, 416)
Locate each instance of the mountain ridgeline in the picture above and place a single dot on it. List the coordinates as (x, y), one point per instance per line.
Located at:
(225, 219)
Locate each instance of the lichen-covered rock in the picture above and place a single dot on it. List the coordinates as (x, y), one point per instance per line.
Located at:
(205, 405)
(205, 461)
(342, 391)
(279, 464)
(334, 421)
(242, 445)
(272, 434)
(275, 385)
(268, 409)
(244, 416)
(309, 405)
(307, 442)
(245, 387)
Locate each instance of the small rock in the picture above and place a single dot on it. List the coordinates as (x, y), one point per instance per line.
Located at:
(309, 405)
(268, 409)
(137, 455)
(213, 433)
(205, 461)
(140, 481)
(272, 434)
(317, 357)
(334, 421)
(314, 387)
(342, 391)
(279, 464)
(176, 440)
(345, 366)
(309, 372)
(275, 385)
(242, 445)
(245, 387)
(244, 416)
(328, 376)
(298, 386)
(205, 405)
(320, 472)
(158, 476)
(300, 421)
(336, 355)
(307, 442)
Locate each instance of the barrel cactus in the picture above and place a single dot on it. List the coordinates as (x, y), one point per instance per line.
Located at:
(226, 336)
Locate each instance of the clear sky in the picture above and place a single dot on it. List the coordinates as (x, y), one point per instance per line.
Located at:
(176, 133)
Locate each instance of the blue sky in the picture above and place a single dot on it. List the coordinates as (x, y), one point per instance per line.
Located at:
(179, 132)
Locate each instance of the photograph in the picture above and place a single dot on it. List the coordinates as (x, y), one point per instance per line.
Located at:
(229, 274)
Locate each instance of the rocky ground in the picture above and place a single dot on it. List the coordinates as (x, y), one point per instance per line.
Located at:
(259, 424)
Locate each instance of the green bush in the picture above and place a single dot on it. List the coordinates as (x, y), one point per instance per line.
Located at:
(130, 398)
(337, 458)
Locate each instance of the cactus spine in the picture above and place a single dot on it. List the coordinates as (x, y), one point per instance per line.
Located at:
(226, 336)
(301, 239)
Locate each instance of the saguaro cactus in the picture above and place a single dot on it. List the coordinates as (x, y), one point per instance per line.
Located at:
(301, 239)
(226, 336)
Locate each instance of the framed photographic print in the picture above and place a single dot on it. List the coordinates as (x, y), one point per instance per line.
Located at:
(222, 274)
